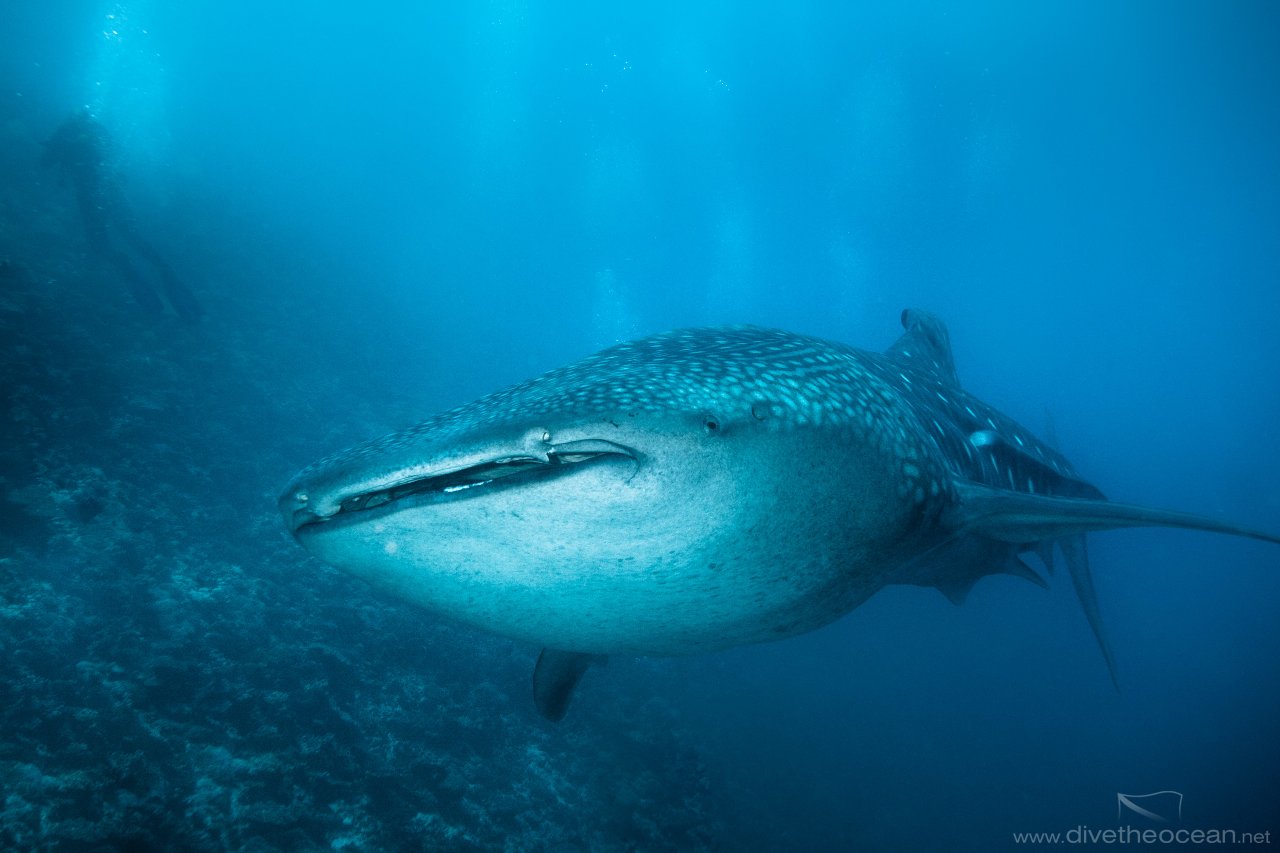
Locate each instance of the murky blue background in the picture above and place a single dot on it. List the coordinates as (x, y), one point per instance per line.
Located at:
(388, 209)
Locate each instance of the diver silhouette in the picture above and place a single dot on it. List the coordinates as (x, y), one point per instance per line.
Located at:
(80, 147)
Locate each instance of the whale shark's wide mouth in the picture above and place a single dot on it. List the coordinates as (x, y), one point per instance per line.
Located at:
(468, 482)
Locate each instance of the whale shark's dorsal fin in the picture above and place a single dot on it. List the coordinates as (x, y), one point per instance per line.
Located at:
(926, 346)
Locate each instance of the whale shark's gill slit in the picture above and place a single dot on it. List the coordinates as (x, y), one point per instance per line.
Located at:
(509, 471)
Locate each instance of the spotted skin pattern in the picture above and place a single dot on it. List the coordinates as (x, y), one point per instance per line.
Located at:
(701, 489)
(904, 399)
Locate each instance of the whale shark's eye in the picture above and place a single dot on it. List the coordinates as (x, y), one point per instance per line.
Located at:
(536, 436)
(712, 424)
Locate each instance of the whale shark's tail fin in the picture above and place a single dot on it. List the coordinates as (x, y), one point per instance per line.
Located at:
(1076, 554)
(1036, 521)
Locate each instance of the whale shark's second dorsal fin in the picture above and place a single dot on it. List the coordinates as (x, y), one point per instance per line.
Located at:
(926, 346)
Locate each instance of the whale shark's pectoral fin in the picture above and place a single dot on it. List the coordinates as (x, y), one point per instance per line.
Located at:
(555, 677)
(1026, 518)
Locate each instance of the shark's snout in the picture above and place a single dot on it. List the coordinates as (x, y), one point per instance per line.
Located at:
(295, 508)
(328, 495)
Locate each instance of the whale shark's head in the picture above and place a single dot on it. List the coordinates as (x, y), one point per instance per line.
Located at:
(659, 497)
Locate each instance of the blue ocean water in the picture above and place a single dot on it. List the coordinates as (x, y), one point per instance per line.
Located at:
(388, 210)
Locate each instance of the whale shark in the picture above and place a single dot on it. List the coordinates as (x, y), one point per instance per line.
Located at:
(706, 488)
